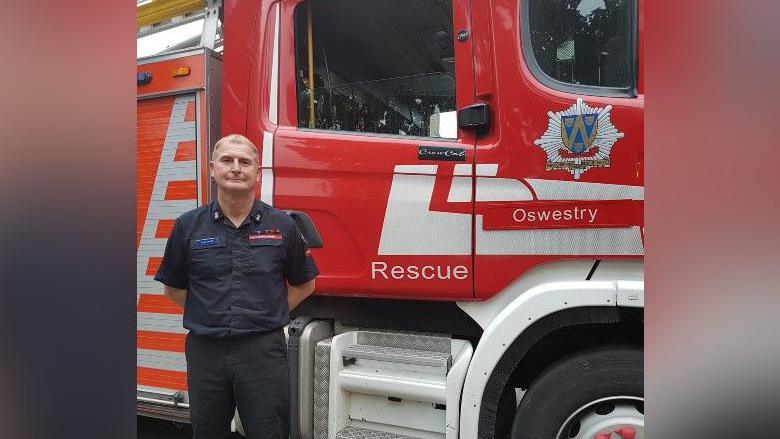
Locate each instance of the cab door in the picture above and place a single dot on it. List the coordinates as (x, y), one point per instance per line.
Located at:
(562, 168)
(367, 143)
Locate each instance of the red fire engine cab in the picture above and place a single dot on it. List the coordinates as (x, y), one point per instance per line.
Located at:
(469, 176)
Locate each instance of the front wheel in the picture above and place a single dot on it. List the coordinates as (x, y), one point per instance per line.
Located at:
(592, 395)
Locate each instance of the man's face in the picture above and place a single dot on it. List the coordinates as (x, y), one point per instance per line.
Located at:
(235, 168)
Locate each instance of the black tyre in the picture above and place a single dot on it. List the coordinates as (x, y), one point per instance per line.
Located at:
(592, 395)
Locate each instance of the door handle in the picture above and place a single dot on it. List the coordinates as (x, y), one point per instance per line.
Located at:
(475, 117)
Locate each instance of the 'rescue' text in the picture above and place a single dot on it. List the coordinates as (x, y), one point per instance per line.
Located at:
(381, 270)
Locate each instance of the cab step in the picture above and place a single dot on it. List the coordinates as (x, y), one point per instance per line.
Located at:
(399, 355)
(389, 384)
(365, 433)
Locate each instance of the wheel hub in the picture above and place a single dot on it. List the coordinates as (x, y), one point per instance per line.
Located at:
(619, 417)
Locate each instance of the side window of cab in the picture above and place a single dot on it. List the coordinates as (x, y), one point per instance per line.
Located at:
(582, 46)
(384, 66)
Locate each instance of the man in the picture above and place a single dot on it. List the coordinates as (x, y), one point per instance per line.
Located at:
(237, 266)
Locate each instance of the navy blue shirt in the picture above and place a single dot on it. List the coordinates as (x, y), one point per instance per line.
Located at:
(235, 277)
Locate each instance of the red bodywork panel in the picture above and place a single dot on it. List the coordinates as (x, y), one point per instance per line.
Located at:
(520, 105)
(395, 226)
(242, 38)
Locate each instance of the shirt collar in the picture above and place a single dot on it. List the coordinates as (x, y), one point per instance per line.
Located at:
(258, 210)
(256, 214)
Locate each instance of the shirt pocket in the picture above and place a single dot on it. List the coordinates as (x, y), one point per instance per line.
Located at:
(267, 255)
(208, 256)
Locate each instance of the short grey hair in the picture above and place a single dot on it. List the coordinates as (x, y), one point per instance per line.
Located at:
(237, 139)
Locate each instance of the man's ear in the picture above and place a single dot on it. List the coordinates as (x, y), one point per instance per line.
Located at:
(211, 169)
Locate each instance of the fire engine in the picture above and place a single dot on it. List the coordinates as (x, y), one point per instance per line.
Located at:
(469, 176)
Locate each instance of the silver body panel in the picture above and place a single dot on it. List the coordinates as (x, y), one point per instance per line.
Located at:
(314, 333)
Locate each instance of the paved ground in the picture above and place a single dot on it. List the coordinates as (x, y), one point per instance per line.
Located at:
(150, 428)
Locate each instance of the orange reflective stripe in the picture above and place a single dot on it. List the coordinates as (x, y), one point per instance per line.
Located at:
(182, 190)
(167, 379)
(158, 303)
(153, 265)
(164, 228)
(160, 341)
(185, 151)
(152, 127)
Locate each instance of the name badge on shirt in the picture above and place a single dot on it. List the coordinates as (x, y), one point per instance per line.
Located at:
(207, 242)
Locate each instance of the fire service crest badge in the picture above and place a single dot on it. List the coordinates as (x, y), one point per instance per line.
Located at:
(579, 138)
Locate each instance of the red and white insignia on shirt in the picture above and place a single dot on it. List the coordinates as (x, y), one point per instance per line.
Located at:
(266, 235)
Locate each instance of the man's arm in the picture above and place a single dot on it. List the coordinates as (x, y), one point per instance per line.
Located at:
(172, 272)
(176, 294)
(296, 293)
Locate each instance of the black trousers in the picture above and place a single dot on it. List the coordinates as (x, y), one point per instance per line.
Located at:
(250, 372)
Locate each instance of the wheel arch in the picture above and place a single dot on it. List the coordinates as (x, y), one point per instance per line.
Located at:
(521, 325)
(549, 340)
